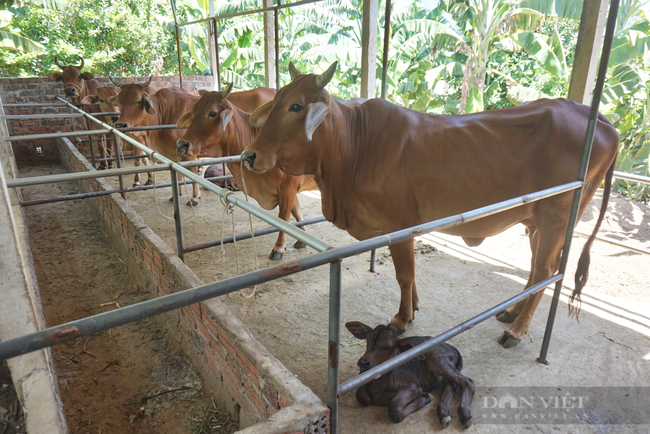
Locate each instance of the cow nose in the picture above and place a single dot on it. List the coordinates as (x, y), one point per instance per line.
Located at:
(69, 91)
(121, 125)
(182, 146)
(114, 118)
(364, 364)
(248, 159)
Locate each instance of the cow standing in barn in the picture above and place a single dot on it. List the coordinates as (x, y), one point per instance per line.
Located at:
(139, 108)
(78, 85)
(218, 126)
(381, 168)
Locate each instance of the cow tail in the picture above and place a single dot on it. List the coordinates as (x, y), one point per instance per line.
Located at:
(582, 272)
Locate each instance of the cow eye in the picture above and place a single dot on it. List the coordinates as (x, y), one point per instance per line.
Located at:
(101, 100)
(295, 108)
(385, 349)
(139, 102)
(212, 114)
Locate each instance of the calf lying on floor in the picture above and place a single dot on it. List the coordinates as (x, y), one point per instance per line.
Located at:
(406, 388)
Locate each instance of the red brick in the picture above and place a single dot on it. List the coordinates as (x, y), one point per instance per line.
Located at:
(213, 362)
(248, 367)
(196, 307)
(233, 389)
(203, 331)
(210, 323)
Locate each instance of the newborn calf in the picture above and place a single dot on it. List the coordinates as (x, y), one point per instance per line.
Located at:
(406, 388)
(217, 170)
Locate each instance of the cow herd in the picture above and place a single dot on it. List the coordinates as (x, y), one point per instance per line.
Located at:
(382, 168)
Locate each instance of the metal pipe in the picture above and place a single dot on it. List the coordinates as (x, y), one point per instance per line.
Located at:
(92, 145)
(71, 119)
(373, 255)
(97, 323)
(84, 133)
(177, 214)
(108, 192)
(216, 50)
(34, 104)
(53, 116)
(229, 240)
(76, 176)
(243, 13)
(632, 177)
(404, 357)
(582, 172)
(118, 162)
(386, 49)
(300, 235)
(178, 45)
(276, 31)
(334, 344)
(123, 157)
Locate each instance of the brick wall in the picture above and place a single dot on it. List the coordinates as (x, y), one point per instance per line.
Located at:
(43, 90)
(246, 380)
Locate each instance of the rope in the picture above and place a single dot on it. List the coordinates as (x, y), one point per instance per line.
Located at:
(250, 222)
(155, 197)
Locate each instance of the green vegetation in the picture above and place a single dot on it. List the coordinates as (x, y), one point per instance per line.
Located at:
(446, 56)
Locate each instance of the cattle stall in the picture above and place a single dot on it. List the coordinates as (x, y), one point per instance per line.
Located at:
(327, 255)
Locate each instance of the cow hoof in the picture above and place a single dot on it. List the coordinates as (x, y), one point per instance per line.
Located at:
(507, 340)
(136, 184)
(150, 182)
(275, 256)
(468, 423)
(299, 245)
(396, 329)
(445, 421)
(101, 168)
(506, 317)
(192, 203)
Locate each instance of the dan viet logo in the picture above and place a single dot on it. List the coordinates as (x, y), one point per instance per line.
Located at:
(552, 402)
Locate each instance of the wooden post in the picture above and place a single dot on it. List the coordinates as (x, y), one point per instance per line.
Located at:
(590, 39)
(369, 48)
(269, 46)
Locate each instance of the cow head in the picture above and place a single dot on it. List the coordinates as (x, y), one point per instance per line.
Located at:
(207, 124)
(102, 97)
(73, 79)
(382, 344)
(290, 138)
(134, 103)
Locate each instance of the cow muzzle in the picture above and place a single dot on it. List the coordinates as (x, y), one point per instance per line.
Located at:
(182, 147)
(114, 118)
(121, 125)
(248, 159)
(70, 91)
(364, 364)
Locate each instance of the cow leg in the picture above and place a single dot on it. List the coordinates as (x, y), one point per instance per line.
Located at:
(364, 396)
(407, 401)
(449, 372)
(103, 151)
(445, 401)
(404, 261)
(547, 261)
(287, 198)
(509, 315)
(196, 189)
(296, 212)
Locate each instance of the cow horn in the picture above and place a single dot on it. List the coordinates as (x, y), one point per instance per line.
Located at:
(226, 92)
(293, 71)
(82, 63)
(146, 83)
(56, 62)
(323, 79)
(115, 82)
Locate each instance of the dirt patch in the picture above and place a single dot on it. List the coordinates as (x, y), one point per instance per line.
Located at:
(128, 379)
(290, 315)
(12, 420)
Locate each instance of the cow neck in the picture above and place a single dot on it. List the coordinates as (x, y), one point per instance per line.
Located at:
(338, 160)
(242, 136)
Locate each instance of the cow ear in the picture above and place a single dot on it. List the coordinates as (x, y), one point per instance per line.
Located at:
(202, 91)
(315, 115)
(404, 346)
(148, 105)
(226, 115)
(113, 100)
(87, 76)
(260, 115)
(358, 329)
(185, 120)
(55, 76)
(90, 99)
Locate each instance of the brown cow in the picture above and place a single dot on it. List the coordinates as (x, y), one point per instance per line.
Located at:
(217, 127)
(381, 168)
(104, 93)
(138, 108)
(405, 389)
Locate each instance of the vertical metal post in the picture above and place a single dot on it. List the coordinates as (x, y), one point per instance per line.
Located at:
(92, 144)
(216, 48)
(334, 345)
(178, 45)
(373, 254)
(586, 153)
(386, 48)
(276, 29)
(177, 214)
(118, 164)
(71, 119)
